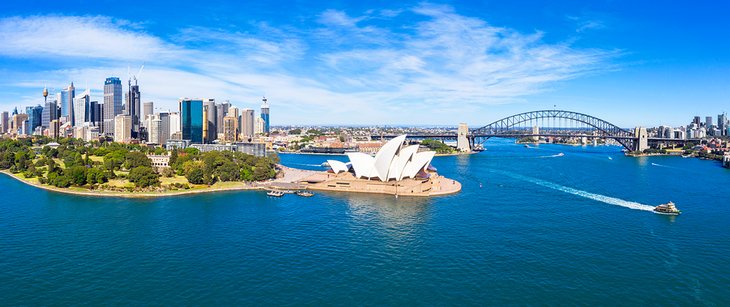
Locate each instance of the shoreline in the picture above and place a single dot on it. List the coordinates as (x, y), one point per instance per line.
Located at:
(291, 179)
(102, 193)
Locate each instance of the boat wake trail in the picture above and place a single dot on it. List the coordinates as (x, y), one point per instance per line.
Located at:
(553, 156)
(597, 197)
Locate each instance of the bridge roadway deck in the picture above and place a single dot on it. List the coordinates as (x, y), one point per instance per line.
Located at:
(521, 135)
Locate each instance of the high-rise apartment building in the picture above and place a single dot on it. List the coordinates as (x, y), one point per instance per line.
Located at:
(112, 104)
(191, 119)
(258, 128)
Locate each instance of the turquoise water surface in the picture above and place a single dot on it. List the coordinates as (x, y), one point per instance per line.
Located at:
(530, 226)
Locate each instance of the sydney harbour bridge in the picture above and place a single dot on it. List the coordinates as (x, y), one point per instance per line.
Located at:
(549, 123)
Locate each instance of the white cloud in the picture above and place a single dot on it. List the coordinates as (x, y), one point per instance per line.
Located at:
(347, 70)
(78, 37)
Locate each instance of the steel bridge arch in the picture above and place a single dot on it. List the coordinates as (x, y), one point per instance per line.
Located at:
(607, 129)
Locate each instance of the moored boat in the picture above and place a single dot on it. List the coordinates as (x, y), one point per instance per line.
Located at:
(667, 209)
(305, 194)
(275, 193)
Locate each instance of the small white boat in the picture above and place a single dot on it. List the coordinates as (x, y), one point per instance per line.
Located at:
(305, 194)
(275, 193)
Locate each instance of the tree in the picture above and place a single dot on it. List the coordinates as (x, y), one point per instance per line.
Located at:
(263, 170)
(192, 151)
(195, 175)
(295, 131)
(135, 159)
(96, 175)
(72, 158)
(228, 171)
(114, 160)
(167, 172)
(76, 175)
(144, 176)
(173, 157)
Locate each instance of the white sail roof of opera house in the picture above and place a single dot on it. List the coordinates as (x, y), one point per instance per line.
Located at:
(394, 161)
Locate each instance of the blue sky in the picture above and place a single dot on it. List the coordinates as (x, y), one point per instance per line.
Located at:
(382, 62)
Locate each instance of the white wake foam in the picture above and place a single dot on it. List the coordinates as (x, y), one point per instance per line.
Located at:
(597, 197)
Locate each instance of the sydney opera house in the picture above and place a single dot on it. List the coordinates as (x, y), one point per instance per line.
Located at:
(394, 162)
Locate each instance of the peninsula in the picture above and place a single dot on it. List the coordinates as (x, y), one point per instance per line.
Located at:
(129, 170)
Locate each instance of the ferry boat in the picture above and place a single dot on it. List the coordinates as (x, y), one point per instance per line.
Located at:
(667, 209)
(305, 194)
(275, 193)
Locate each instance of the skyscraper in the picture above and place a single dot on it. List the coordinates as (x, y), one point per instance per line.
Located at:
(148, 108)
(164, 127)
(191, 119)
(122, 128)
(66, 101)
(112, 103)
(133, 107)
(49, 110)
(174, 123)
(211, 120)
(95, 116)
(80, 110)
(154, 129)
(708, 121)
(229, 129)
(221, 112)
(722, 123)
(4, 121)
(265, 116)
(34, 120)
(233, 112)
(247, 123)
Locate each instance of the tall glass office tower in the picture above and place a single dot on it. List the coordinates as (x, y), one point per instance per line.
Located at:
(191, 119)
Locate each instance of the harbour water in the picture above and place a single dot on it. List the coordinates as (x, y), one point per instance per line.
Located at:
(530, 226)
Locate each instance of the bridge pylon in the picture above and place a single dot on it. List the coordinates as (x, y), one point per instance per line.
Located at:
(642, 139)
(462, 140)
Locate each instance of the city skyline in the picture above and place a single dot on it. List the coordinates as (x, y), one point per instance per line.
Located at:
(347, 64)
